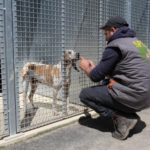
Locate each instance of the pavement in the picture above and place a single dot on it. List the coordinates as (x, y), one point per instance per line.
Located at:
(89, 134)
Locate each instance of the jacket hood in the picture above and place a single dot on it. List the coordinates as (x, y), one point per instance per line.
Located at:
(122, 32)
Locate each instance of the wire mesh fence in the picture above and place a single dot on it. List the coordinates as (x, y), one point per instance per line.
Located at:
(109, 9)
(81, 34)
(140, 19)
(4, 131)
(43, 31)
(47, 36)
(38, 54)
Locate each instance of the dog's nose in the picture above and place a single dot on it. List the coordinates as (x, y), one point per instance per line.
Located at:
(78, 56)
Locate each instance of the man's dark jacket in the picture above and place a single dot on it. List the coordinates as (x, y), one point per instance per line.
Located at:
(127, 61)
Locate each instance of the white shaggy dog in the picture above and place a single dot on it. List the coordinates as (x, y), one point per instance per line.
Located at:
(50, 75)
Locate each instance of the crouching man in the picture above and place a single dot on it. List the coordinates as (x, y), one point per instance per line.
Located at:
(126, 61)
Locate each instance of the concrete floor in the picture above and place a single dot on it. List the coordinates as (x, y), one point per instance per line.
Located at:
(44, 113)
(90, 134)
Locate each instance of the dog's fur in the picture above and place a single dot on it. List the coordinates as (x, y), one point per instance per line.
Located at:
(50, 75)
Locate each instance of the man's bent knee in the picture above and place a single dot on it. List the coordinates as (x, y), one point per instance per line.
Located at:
(83, 94)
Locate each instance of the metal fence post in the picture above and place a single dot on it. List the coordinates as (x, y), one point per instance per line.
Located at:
(128, 11)
(4, 131)
(10, 75)
(148, 28)
(64, 111)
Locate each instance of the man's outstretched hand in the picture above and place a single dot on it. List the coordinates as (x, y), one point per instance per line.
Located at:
(86, 65)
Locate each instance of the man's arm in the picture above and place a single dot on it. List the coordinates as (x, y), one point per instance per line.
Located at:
(110, 58)
(96, 73)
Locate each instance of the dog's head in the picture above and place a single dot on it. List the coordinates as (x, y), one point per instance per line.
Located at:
(71, 57)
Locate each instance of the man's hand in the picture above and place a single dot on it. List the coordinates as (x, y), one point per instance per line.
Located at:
(86, 65)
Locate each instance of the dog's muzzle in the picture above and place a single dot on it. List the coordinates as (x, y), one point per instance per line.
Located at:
(77, 56)
(75, 61)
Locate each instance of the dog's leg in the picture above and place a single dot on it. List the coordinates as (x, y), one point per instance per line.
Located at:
(55, 93)
(67, 97)
(54, 104)
(25, 91)
(32, 92)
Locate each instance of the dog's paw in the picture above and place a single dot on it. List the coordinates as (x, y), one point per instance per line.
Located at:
(35, 107)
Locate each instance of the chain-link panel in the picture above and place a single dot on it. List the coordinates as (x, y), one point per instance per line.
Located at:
(140, 19)
(4, 131)
(38, 54)
(43, 31)
(80, 34)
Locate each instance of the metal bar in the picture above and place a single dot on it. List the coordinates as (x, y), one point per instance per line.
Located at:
(4, 131)
(64, 106)
(10, 76)
(15, 62)
(128, 11)
(148, 21)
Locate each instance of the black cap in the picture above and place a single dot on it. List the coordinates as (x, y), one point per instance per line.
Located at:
(116, 21)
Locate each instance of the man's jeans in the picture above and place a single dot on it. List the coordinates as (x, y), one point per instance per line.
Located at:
(99, 99)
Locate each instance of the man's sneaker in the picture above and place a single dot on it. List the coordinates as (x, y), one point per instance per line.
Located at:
(123, 125)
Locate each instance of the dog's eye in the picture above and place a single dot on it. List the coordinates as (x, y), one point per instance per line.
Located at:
(69, 52)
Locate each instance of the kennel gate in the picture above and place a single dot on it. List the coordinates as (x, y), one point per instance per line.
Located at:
(42, 31)
(39, 31)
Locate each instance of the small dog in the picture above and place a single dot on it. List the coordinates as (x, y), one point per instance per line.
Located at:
(50, 75)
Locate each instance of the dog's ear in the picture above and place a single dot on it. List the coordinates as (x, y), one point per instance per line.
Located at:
(65, 56)
(74, 65)
(31, 67)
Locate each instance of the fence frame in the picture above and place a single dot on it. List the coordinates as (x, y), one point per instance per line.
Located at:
(10, 96)
(10, 68)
